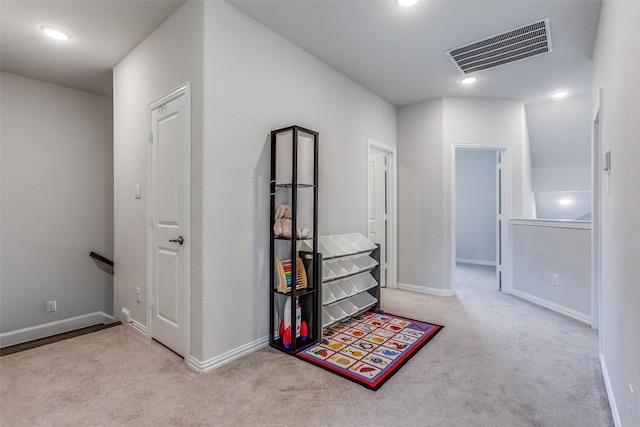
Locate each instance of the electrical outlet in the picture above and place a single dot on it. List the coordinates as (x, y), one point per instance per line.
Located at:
(51, 306)
(555, 280)
(631, 399)
(138, 294)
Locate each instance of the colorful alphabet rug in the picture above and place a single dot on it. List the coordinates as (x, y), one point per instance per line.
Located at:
(369, 348)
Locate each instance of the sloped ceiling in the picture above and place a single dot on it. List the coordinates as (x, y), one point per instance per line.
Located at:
(103, 32)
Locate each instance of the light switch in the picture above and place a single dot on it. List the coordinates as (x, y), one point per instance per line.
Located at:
(137, 191)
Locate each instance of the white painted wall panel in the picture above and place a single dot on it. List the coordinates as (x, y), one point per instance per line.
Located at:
(246, 81)
(616, 69)
(57, 202)
(426, 134)
(169, 57)
(541, 249)
(255, 82)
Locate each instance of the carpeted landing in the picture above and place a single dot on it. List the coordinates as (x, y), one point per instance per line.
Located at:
(500, 361)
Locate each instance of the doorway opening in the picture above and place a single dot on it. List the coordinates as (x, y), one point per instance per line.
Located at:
(381, 207)
(479, 229)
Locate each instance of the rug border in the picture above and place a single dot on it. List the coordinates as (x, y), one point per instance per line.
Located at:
(383, 379)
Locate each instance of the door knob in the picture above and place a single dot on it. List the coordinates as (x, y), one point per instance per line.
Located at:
(180, 240)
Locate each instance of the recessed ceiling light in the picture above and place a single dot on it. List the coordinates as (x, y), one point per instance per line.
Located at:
(560, 94)
(55, 33)
(469, 80)
(407, 3)
(565, 202)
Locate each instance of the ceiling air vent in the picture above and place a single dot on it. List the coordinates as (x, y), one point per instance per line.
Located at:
(515, 45)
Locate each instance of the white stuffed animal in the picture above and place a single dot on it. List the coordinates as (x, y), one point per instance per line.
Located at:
(282, 224)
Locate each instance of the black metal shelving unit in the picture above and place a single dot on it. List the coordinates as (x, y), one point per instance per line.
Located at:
(301, 145)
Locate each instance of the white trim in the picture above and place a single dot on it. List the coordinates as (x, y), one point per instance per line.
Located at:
(475, 262)
(596, 218)
(612, 398)
(184, 89)
(392, 242)
(139, 327)
(585, 318)
(426, 290)
(228, 357)
(52, 328)
(557, 223)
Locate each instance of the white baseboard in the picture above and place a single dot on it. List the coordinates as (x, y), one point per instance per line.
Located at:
(134, 323)
(52, 328)
(475, 262)
(585, 318)
(612, 399)
(229, 356)
(426, 290)
(139, 327)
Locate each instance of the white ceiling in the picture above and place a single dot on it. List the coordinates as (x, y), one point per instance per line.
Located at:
(396, 53)
(103, 32)
(399, 53)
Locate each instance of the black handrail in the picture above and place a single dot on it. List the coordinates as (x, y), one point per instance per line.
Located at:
(103, 263)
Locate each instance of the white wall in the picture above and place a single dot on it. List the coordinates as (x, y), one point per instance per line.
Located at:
(169, 57)
(616, 67)
(255, 82)
(420, 186)
(541, 249)
(528, 197)
(427, 132)
(250, 81)
(560, 133)
(562, 178)
(476, 206)
(57, 202)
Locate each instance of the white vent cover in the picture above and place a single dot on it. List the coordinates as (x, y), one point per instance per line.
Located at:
(515, 45)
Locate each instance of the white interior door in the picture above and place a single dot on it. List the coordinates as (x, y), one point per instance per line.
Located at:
(377, 177)
(169, 213)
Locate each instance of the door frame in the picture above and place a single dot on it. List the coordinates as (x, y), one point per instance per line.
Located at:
(596, 216)
(392, 207)
(184, 89)
(505, 241)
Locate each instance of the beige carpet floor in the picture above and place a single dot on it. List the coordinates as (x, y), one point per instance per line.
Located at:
(499, 361)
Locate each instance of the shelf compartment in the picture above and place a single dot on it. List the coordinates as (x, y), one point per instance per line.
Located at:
(348, 306)
(326, 246)
(348, 287)
(329, 248)
(336, 268)
(349, 266)
(327, 273)
(363, 281)
(327, 319)
(299, 292)
(336, 290)
(364, 262)
(342, 243)
(335, 312)
(359, 242)
(300, 345)
(327, 295)
(363, 300)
